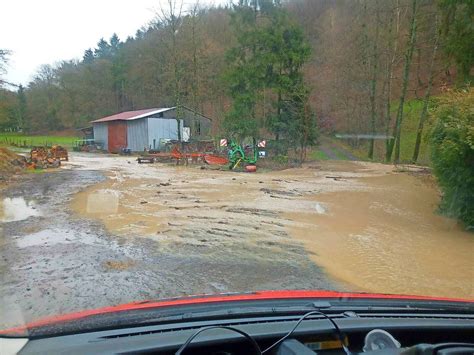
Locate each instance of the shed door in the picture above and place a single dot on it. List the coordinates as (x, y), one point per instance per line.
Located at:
(117, 136)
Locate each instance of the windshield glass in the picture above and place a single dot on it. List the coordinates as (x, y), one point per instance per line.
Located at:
(169, 148)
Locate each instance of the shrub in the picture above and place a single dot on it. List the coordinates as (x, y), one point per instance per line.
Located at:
(452, 154)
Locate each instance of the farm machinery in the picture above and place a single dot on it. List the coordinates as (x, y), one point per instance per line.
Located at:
(243, 154)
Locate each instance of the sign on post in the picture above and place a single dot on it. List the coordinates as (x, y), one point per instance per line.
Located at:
(262, 144)
(223, 142)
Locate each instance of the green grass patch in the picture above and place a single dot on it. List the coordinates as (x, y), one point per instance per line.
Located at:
(35, 171)
(318, 155)
(339, 155)
(411, 117)
(412, 112)
(18, 139)
(359, 152)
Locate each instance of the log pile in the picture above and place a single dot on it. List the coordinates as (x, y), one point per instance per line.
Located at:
(42, 158)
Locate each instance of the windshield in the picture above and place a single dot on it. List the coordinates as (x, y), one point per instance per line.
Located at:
(168, 148)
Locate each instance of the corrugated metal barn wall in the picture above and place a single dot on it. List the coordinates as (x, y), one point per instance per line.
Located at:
(101, 134)
(137, 134)
(161, 128)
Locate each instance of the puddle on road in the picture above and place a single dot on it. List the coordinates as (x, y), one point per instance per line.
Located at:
(49, 237)
(102, 202)
(122, 209)
(17, 209)
(390, 239)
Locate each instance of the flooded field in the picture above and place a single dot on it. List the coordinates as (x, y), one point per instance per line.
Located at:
(370, 227)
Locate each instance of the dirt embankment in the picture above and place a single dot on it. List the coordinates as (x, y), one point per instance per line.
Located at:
(10, 164)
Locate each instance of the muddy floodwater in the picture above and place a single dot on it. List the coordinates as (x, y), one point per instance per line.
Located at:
(104, 230)
(389, 238)
(371, 227)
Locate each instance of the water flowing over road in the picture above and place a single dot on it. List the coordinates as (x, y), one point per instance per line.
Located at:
(105, 230)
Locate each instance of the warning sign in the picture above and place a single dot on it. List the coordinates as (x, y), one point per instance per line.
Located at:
(262, 144)
(223, 142)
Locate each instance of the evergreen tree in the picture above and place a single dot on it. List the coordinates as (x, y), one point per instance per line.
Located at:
(458, 34)
(268, 61)
(103, 49)
(114, 44)
(88, 56)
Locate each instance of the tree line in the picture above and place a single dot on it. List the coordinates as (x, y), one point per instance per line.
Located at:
(268, 67)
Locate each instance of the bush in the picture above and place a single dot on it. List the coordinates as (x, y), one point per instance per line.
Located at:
(281, 159)
(452, 154)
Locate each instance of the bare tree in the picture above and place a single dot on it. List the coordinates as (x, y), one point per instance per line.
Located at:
(373, 81)
(424, 112)
(406, 77)
(171, 20)
(4, 54)
(195, 79)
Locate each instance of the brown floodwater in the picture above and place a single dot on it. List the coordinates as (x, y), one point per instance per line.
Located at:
(124, 207)
(388, 238)
(371, 228)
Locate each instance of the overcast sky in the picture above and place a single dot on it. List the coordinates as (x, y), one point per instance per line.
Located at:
(46, 31)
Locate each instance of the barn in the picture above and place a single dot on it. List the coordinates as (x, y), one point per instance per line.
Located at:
(149, 128)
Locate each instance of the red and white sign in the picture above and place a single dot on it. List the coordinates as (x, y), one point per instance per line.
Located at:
(223, 142)
(262, 144)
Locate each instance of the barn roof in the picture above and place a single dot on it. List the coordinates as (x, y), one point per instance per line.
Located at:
(133, 115)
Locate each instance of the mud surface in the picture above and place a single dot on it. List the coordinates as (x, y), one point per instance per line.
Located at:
(60, 259)
(105, 230)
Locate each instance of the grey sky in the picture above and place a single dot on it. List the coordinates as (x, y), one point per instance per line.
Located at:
(46, 31)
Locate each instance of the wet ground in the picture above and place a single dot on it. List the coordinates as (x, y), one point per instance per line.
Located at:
(105, 230)
(56, 260)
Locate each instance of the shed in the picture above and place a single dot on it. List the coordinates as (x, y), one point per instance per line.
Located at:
(87, 132)
(148, 128)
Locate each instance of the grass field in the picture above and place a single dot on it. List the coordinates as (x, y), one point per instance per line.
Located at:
(18, 139)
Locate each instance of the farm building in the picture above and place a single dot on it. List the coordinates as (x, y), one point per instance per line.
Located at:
(149, 128)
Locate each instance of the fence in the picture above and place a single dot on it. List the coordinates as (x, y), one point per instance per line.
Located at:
(25, 143)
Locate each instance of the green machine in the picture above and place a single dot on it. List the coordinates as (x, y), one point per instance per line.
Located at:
(239, 153)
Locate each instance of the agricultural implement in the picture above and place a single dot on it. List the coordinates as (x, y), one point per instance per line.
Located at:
(243, 155)
(237, 155)
(193, 153)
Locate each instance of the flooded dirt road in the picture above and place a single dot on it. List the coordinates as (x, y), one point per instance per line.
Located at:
(105, 230)
(389, 238)
(371, 227)
(61, 259)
